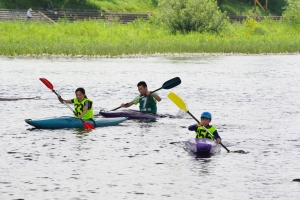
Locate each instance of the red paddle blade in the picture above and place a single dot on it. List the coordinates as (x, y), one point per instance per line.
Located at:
(88, 126)
(47, 83)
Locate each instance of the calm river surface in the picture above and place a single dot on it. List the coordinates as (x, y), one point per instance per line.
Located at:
(254, 101)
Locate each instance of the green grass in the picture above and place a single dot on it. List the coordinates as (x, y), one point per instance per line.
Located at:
(102, 38)
(135, 6)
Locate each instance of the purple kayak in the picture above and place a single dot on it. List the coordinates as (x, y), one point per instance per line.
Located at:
(203, 146)
(130, 114)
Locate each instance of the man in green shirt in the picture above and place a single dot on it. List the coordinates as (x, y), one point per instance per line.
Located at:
(146, 100)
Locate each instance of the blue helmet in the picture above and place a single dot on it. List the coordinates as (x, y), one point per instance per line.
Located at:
(206, 115)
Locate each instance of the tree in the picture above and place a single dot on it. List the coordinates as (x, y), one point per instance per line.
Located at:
(292, 12)
(191, 15)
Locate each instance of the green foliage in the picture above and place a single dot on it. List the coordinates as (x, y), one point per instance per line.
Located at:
(237, 7)
(191, 15)
(276, 6)
(247, 6)
(292, 12)
(152, 2)
(110, 39)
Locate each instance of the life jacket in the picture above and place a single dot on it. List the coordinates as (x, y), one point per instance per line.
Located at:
(148, 104)
(78, 106)
(202, 133)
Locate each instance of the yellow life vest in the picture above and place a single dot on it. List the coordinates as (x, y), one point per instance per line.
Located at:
(78, 106)
(202, 133)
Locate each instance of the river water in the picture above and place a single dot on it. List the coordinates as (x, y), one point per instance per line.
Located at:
(254, 101)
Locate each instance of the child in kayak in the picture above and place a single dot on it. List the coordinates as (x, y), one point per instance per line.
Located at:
(203, 127)
(146, 100)
(82, 105)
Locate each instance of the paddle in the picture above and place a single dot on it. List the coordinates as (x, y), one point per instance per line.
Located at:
(180, 103)
(167, 85)
(49, 85)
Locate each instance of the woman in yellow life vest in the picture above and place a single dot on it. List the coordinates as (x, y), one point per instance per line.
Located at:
(83, 107)
(201, 132)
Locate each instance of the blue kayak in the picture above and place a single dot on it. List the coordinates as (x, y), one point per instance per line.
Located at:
(202, 146)
(71, 122)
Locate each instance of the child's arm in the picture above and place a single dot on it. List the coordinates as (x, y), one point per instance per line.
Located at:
(216, 135)
(193, 127)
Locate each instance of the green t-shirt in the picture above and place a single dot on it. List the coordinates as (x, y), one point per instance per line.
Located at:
(147, 103)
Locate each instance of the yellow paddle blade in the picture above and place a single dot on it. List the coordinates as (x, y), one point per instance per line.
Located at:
(178, 101)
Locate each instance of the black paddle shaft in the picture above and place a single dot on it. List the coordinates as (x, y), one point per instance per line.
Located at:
(60, 99)
(155, 91)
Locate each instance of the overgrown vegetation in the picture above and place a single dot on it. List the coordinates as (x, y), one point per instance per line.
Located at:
(191, 15)
(276, 6)
(102, 38)
(246, 7)
(292, 12)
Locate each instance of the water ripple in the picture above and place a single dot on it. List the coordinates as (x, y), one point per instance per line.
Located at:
(253, 100)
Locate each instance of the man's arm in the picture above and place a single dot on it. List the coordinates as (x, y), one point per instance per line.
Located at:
(156, 97)
(126, 105)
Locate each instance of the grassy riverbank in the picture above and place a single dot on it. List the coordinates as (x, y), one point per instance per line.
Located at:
(101, 38)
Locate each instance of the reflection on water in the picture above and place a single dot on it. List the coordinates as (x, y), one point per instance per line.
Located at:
(200, 156)
(253, 100)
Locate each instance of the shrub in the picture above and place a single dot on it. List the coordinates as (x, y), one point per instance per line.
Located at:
(191, 15)
(292, 12)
